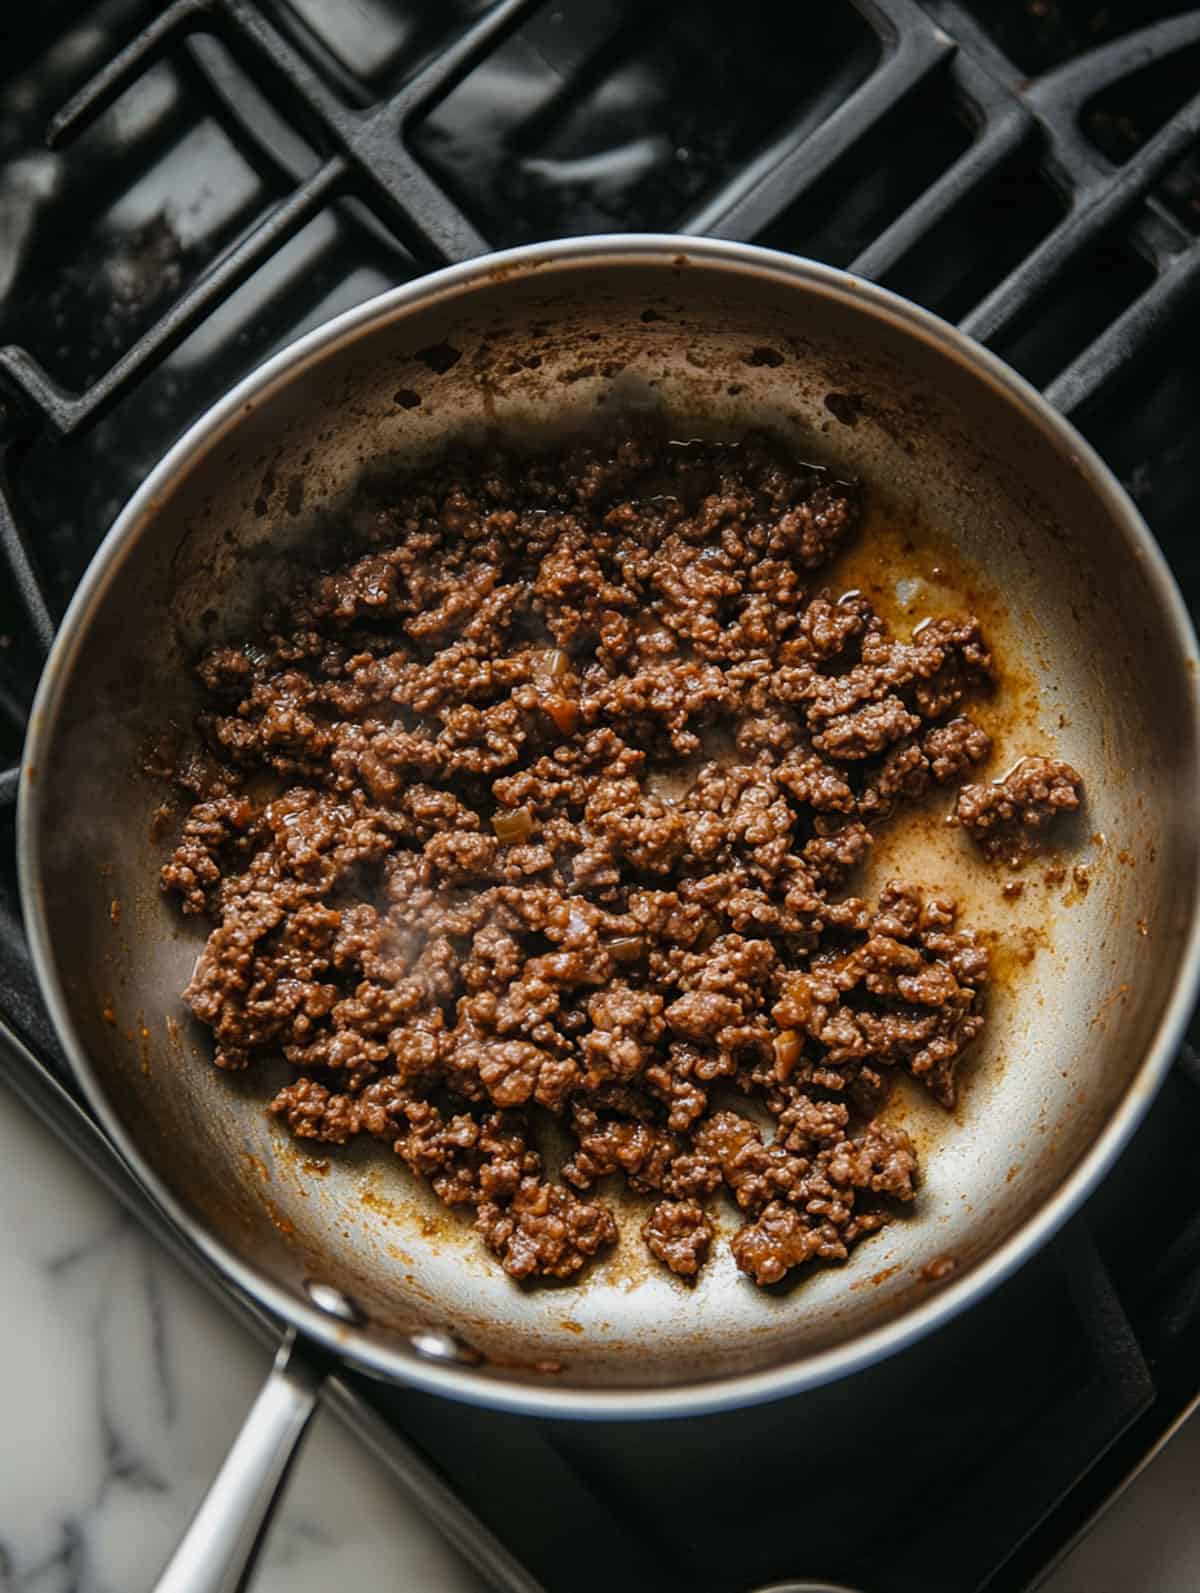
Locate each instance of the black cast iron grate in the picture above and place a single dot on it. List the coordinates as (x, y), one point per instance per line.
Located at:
(379, 149)
(883, 144)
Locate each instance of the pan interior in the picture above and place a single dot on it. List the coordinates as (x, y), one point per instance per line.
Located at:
(954, 465)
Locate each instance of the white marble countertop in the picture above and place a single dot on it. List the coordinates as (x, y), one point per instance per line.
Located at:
(126, 1382)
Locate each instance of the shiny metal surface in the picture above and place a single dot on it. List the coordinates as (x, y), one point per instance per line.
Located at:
(806, 1587)
(1078, 1040)
(218, 1552)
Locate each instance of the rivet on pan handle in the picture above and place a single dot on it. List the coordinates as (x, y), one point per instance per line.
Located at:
(334, 1303)
(439, 1344)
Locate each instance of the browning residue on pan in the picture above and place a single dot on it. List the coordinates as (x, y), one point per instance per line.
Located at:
(572, 761)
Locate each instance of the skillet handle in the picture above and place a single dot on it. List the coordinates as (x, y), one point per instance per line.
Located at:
(218, 1551)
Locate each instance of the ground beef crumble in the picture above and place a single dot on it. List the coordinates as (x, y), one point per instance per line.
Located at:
(1004, 819)
(539, 802)
(679, 1233)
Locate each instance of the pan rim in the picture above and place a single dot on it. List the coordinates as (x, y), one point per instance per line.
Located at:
(669, 250)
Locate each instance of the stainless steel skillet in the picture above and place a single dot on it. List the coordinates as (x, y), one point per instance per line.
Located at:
(722, 337)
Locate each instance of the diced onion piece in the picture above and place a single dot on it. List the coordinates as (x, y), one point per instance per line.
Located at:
(514, 826)
(626, 948)
(564, 712)
(555, 664)
(789, 1044)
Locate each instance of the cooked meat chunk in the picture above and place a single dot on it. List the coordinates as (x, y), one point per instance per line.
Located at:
(312, 1112)
(544, 1230)
(867, 730)
(782, 1238)
(209, 830)
(1005, 819)
(538, 801)
(922, 979)
(678, 1234)
(953, 747)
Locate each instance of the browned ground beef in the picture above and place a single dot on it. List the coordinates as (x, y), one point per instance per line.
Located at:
(678, 1233)
(1004, 818)
(571, 763)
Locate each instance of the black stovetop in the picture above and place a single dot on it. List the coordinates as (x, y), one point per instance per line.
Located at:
(1028, 168)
